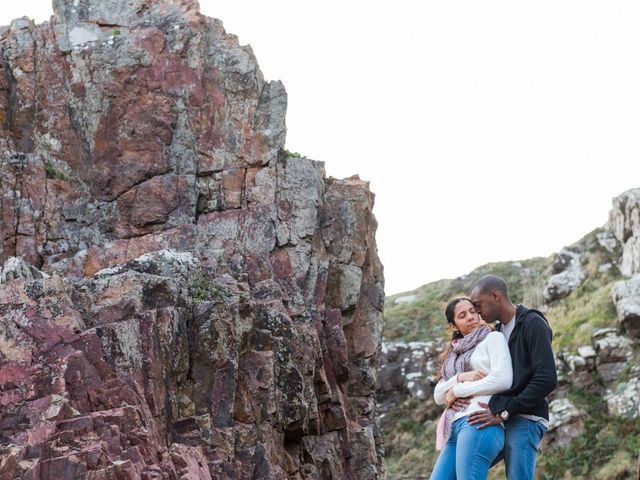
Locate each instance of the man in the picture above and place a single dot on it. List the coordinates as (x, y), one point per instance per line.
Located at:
(523, 408)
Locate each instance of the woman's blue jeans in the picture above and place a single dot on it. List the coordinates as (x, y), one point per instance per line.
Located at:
(469, 452)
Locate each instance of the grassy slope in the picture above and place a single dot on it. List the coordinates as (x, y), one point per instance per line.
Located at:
(423, 319)
(608, 448)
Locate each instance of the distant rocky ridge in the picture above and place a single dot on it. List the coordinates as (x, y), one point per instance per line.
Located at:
(605, 367)
(180, 298)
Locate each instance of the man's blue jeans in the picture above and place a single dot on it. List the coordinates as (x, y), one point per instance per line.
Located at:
(522, 439)
(468, 453)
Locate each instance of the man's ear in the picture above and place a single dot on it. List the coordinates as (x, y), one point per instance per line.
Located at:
(496, 295)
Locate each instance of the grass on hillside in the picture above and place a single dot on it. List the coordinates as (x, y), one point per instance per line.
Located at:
(572, 319)
(420, 319)
(423, 319)
(608, 449)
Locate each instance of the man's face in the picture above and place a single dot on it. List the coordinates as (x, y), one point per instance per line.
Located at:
(485, 304)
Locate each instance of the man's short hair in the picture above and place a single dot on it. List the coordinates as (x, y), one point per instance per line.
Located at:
(487, 283)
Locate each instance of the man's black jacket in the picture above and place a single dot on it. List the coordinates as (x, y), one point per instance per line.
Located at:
(534, 369)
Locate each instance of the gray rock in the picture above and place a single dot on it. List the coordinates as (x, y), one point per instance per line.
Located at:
(605, 267)
(626, 296)
(81, 35)
(300, 192)
(624, 401)
(406, 368)
(608, 241)
(624, 222)
(270, 119)
(613, 353)
(350, 280)
(209, 195)
(577, 370)
(568, 275)
(166, 263)
(17, 268)
(610, 372)
(118, 12)
(566, 421)
(22, 23)
(610, 346)
(587, 351)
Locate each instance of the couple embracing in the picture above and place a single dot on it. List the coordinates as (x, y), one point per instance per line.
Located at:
(494, 383)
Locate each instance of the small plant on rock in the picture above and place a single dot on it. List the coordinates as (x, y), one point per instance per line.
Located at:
(53, 173)
(205, 289)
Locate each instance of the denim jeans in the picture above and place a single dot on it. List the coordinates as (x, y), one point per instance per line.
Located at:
(468, 453)
(522, 440)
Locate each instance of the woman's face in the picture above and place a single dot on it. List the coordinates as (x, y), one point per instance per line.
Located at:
(465, 317)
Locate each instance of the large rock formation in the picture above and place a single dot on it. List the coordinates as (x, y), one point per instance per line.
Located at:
(624, 222)
(180, 297)
(626, 296)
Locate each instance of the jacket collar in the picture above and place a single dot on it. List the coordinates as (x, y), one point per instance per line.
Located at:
(521, 311)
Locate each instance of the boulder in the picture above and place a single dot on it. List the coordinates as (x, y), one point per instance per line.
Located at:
(565, 423)
(568, 275)
(613, 352)
(626, 297)
(624, 222)
(17, 268)
(624, 400)
(407, 369)
(578, 370)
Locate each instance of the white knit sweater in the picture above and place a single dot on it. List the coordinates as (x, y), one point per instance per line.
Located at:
(490, 356)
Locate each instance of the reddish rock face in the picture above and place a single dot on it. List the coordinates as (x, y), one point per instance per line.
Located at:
(180, 299)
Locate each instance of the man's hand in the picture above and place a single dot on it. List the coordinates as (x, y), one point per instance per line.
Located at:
(471, 376)
(484, 418)
(460, 404)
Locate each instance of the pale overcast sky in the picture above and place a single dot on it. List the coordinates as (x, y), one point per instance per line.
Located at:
(490, 130)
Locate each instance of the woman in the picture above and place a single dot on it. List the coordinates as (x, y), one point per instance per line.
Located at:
(476, 364)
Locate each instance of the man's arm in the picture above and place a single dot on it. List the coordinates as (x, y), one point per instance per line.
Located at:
(538, 337)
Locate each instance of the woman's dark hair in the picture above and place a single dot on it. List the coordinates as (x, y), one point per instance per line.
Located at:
(449, 311)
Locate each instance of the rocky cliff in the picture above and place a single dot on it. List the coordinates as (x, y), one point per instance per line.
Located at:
(180, 298)
(590, 292)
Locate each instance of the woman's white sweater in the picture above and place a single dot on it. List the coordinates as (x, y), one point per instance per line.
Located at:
(490, 356)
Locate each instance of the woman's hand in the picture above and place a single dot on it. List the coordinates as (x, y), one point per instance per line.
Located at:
(450, 397)
(471, 376)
